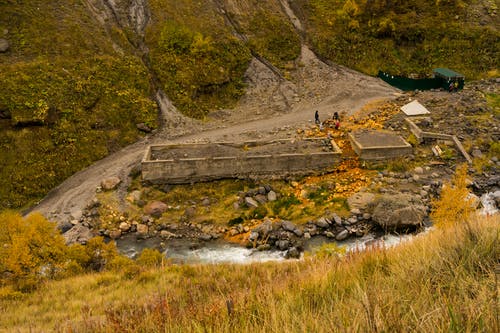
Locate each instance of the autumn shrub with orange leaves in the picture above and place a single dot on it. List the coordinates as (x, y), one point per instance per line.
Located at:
(454, 204)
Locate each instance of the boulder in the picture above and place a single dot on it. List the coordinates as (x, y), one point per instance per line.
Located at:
(155, 208)
(124, 226)
(322, 222)
(271, 196)
(190, 212)
(78, 234)
(142, 229)
(337, 219)
(109, 184)
(143, 127)
(288, 226)
(477, 153)
(418, 170)
(134, 196)
(251, 203)
(298, 232)
(264, 247)
(398, 212)
(115, 234)
(4, 45)
(342, 235)
(261, 198)
(167, 234)
(205, 237)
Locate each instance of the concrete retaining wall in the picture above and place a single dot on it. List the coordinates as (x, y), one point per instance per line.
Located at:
(188, 170)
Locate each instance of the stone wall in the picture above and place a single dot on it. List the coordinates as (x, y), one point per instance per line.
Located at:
(242, 165)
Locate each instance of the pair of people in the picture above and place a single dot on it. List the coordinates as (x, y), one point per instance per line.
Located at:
(336, 119)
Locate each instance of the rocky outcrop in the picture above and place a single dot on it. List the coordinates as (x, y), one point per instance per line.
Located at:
(398, 212)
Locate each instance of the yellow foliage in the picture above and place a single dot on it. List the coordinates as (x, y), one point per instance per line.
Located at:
(151, 258)
(454, 205)
(31, 250)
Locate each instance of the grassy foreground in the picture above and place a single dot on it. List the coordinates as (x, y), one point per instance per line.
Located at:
(442, 281)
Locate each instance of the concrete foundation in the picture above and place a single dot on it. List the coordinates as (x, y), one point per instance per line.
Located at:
(187, 163)
(378, 145)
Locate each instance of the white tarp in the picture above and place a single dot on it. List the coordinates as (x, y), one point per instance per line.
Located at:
(414, 109)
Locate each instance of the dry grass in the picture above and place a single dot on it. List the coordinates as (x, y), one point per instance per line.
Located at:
(442, 281)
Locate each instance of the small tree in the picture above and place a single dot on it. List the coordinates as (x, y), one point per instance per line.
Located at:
(31, 250)
(454, 205)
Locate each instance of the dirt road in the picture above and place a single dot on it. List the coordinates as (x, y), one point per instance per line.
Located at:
(272, 107)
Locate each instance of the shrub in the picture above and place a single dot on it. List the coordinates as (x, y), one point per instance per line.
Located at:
(31, 250)
(151, 258)
(94, 256)
(453, 206)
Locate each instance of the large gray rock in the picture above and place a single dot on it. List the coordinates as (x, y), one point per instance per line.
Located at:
(110, 183)
(322, 222)
(342, 235)
(288, 226)
(78, 234)
(4, 45)
(155, 208)
(398, 212)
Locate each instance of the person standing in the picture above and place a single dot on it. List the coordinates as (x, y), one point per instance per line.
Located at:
(316, 118)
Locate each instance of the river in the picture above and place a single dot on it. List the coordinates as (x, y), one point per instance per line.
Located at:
(181, 251)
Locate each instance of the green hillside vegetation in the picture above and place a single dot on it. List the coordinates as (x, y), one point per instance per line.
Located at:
(71, 98)
(406, 37)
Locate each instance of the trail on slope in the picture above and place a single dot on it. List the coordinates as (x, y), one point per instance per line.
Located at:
(271, 107)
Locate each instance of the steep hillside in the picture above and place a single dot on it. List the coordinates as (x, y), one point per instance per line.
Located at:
(71, 93)
(405, 37)
(80, 78)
